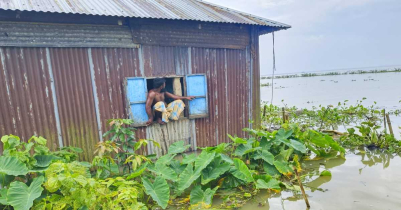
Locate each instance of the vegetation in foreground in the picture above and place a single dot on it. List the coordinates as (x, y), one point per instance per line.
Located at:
(333, 73)
(120, 177)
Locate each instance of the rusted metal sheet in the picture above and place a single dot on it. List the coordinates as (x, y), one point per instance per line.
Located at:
(255, 74)
(26, 105)
(75, 98)
(158, 9)
(190, 33)
(158, 61)
(64, 35)
(170, 133)
(227, 91)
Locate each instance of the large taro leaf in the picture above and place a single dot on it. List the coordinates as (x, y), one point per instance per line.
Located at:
(226, 159)
(187, 177)
(285, 154)
(241, 171)
(264, 155)
(270, 169)
(21, 197)
(159, 190)
(187, 159)
(203, 160)
(177, 166)
(3, 196)
(298, 146)
(166, 172)
(178, 147)
(44, 160)
(198, 196)
(214, 171)
(270, 184)
(283, 135)
(165, 159)
(283, 168)
(12, 166)
(265, 144)
(230, 181)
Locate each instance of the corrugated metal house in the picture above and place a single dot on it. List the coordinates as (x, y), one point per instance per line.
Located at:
(67, 66)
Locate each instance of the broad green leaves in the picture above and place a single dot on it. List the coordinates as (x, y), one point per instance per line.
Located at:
(264, 155)
(159, 190)
(12, 166)
(21, 197)
(205, 198)
(178, 147)
(214, 170)
(187, 177)
(44, 160)
(283, 168)
(241, 171)
(268, 184)
(325, 173)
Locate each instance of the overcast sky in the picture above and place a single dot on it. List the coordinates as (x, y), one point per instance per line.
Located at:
(327, 34)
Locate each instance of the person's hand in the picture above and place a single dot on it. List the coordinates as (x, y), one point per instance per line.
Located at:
(189, 98)
(149, 122)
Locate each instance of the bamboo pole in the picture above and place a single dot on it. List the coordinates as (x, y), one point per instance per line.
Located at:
(302, 188)
(283, 115)
(390, 128)
(384, 119)
(264, 110)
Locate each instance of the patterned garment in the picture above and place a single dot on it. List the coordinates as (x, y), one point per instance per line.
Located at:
(172, 111)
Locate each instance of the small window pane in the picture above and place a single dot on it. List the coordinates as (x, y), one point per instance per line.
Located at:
(136, 90)
(198, 106)
(197, 85)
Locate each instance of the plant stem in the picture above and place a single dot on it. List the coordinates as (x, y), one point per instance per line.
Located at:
(302, 188)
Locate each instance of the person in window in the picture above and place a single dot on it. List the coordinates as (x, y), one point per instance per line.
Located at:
(156, 105)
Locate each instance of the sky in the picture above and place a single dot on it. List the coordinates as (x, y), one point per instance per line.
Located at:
(327, 34)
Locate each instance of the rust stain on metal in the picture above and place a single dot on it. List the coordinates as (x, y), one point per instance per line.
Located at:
(26, 107)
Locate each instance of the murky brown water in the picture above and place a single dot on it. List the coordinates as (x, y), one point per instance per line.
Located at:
(364, 180)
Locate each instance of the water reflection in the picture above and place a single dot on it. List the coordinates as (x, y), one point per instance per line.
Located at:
(354, 184)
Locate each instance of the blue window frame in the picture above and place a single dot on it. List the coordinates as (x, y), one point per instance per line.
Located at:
(137, 92)
(197, 86)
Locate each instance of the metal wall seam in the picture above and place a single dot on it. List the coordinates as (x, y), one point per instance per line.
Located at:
(95, 95)
(54, 95)
(192, 121)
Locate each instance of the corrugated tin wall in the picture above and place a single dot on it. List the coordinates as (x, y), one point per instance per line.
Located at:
(26, 104)
(88, 84)
(228, 87)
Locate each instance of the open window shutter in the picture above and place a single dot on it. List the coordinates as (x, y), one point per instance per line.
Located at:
(136, 90)
(197, 86)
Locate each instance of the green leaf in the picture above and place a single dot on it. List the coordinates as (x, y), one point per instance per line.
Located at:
(3, 196)
(285, 155)
(10, 141)
(198, 196)
(187, 159)
(265, 144)
(177, 166)
(159, 190)
(166, 172)
(271, 184)
(241, 171)
(43, 160)
(21, 197)
(298, 146)
(231, 181)
(237, 140)
(264, 155)
(283, 167)
(165, 159)
(12, 166)
(283, 134)
(178, 147)
(137, 172)
(214, 171)
(187, 177)
(270, 169)
(226, 159)
(203, 160)
(325, 173)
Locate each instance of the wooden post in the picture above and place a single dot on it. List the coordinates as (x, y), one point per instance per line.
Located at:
(264, 110)
(302, 188)
(384, 119)
(283, 115)
(390, 128)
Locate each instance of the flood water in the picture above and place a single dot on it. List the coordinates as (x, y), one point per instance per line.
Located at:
(306, 92)
(364, 180)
